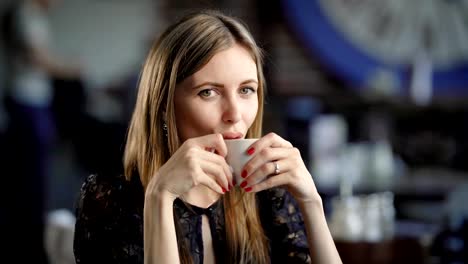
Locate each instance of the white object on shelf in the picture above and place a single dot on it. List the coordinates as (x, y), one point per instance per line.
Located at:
(59, 233)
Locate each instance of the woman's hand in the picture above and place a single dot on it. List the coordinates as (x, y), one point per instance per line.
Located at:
(198, 161)
(269, 153)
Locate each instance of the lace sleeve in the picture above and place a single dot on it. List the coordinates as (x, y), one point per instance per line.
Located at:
(284, 226)
(109, 224)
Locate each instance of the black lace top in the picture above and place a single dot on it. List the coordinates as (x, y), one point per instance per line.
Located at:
(109, 227)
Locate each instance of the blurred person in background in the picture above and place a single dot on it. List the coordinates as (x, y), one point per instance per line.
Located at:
(31, 67)
(202, 83)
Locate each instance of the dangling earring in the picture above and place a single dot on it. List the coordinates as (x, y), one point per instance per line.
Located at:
(165, 129)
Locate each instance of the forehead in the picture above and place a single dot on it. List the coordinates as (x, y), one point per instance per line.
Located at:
(230, 66)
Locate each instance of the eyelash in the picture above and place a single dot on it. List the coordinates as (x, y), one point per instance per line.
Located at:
(203, 91)
(250, 89)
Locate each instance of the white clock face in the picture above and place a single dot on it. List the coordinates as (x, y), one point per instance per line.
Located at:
(395, 31)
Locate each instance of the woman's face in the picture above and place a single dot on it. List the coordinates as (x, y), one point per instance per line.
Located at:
(220, 98)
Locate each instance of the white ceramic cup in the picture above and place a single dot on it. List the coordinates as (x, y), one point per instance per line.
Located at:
(237, 155)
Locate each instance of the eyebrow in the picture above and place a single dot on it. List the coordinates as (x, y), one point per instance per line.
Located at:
(221, 85)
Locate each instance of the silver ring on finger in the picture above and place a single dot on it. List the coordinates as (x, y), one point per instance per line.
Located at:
(277, 168)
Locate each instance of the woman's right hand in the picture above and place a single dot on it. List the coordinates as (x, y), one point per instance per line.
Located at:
(199, 160)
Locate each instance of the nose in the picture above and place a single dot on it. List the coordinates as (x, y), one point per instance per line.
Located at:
(232, 110)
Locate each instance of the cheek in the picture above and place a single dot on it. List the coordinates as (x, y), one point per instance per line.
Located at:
(194, 121)
(251, 113)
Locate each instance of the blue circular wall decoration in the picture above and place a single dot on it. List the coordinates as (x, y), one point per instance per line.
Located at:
(368, 42)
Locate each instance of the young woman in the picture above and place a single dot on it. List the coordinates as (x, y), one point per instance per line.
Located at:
(202, 83)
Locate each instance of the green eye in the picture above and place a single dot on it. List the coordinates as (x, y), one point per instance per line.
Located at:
(206, 93)
(247, 90)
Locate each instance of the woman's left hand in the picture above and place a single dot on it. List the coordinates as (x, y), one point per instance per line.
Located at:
(276, 162)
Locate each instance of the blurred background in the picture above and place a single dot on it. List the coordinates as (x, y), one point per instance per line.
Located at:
(373, 93)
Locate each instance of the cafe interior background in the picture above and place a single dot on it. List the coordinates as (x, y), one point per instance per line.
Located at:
(373, 93)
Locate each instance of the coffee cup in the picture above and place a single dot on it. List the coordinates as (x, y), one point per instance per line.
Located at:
(237, 155)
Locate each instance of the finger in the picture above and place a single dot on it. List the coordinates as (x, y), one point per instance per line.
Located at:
(227, 169)
(216, 142)
(211, 183)
(271, 182)
(219, 161)
(256, 165)
(217, 172)
(265, 172)
(209, 142)
(270, 140)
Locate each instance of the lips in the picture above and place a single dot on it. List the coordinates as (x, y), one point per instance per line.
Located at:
(232, 135)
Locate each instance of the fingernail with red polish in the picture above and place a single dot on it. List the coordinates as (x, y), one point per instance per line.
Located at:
(244, 174)
(251, 151)
(243, 184)
(224, 190)
(248, 189)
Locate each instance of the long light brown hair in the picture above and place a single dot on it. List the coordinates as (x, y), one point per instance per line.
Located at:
(183, 49)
